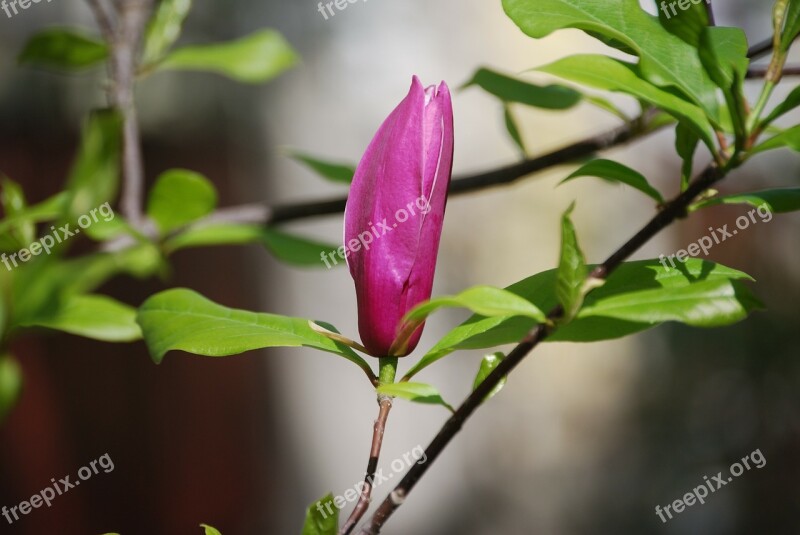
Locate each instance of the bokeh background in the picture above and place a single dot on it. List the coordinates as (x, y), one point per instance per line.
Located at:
(585, 439)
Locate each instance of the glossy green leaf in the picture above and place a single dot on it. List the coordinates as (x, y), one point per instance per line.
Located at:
(791, 24)
(513, 129)
(686, 142)
(164, 28)
(488, 364)
(94, 316)
(63, 49)
(508, 89)
(572, 270)
(10, 384)
(666, 60)
(215, 234)
(94, 178)
(183, 320)
(778, 201)
(180, 197)
(210, 530)
(256, 58)
(723, 53)
(617, 172)
(602, 72)
(416, 392)
(335, 172)
(47, 210)
(788, 138)
(322, 517)
(479, 332)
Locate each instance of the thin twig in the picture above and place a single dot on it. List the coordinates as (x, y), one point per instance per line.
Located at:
(672, 211)
(102, 15)
(761, 72)
(385, 404)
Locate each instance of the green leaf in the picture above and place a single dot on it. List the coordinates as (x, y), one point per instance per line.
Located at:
(10, 384)
(703, 304)
(296, 250)
(180, 197)
(687, 24)
(792, 101)
(665, 59)
(479, 332)
(508, 89)
(94, 178)
(215, 234)
(610, 74)
(318, 522)
(788, 138)
(723, 53)
(614, 171)
(686, 142)
(572, 270)
(63, 49)
(488, 364)
(416, 392)
(777, 201)
(47, 210)
(791, 25)
(94, 316)
(12, 198)
(335, 172)
(256, 58)
(183, 320)
(164, 28)
(484, 300)
(209, 530)
(513, 129)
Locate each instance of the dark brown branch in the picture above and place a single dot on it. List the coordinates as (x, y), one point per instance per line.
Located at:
(385, 404)
(676, 209)
(761, 72)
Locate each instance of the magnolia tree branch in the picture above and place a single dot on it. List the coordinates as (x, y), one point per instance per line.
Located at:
(675, 209)
(124, 36)
(385, 404)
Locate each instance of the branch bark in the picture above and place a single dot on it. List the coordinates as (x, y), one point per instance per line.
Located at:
(385, 404)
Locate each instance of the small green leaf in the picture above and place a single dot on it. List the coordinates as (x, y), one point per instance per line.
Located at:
(12, 199)
(93, 316)
(335, 172)
(790, 26)
(164, 28)
(778, 201)
(488, 364)
(508, 89)
(686, 142)
(788, 138)
(180, 197)
(63, 49)
(792, 101)
(484, 300)
(416, 392)
(572, 270)
(723, 53)
(615, 171)
(297, 250)
(256, 58)
(513, 129)
(183, 320)
(94, 178)
(209, 530)
(10, 384)
(322, 517)
(602, 72)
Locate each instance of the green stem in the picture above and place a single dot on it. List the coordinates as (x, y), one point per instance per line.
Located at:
(763, 98)
(388, 370)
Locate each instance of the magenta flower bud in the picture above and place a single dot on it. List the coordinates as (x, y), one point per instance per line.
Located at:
(394, 215)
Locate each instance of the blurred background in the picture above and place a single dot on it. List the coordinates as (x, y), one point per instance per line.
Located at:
(585, 439)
